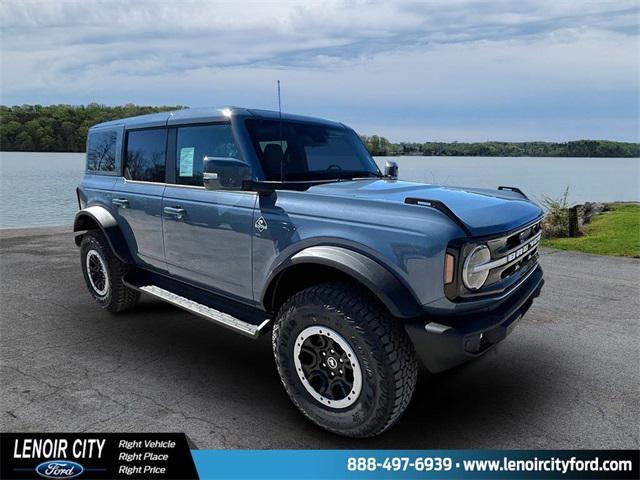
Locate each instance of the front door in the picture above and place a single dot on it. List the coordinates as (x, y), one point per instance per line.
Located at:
(207, 234)
(137, 197)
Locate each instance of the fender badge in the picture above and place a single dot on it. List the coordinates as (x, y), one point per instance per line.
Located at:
(261, 224)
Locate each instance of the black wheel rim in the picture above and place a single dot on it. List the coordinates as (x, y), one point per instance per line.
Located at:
(96, 271)
(327, 367)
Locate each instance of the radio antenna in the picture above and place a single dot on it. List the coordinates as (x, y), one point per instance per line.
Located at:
(281, 140)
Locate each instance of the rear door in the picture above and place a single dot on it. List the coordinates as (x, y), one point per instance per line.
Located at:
(207, 234)
(137, 195)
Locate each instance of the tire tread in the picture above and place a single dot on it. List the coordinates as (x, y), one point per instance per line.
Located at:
(364, 312)
(122, 297)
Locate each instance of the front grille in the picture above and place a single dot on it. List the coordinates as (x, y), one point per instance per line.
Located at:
(520, 250)
(501, 246)
(513, 256)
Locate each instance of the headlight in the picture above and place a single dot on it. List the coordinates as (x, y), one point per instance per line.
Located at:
(478, 256)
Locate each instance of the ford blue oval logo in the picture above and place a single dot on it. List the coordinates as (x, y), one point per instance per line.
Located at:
(59, 469)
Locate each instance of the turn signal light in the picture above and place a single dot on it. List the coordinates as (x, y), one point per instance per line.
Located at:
(448, 269)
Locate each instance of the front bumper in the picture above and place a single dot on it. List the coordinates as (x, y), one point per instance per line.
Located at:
(444, 342)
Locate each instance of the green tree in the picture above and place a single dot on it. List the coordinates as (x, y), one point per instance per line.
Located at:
(59, 128)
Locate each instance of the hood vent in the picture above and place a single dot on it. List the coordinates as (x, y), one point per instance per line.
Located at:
(438, 205)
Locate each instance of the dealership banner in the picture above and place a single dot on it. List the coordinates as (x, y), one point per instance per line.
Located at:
(96, 455)
(173, 456)
(408, 464)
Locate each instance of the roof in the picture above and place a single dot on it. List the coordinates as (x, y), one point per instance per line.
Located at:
(204, 115)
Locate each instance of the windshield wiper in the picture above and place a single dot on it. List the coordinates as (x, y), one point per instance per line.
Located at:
(328, 176)
(365, 175)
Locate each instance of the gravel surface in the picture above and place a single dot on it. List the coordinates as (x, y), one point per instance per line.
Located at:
(568, 377)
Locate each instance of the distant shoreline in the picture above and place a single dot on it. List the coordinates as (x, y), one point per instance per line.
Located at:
(418, 154)
(380, 146)
(63, 128)
(409, 154)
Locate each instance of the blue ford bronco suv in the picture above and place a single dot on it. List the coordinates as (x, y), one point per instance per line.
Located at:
(260, 221)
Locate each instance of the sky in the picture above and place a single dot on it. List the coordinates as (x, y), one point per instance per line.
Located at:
(409, 70)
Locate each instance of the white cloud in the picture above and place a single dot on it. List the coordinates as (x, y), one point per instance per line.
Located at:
(459, 69)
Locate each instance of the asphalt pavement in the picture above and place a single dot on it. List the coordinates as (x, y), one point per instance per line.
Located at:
(568, 376)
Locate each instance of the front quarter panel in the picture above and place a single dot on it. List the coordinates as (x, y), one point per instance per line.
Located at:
(410, 241)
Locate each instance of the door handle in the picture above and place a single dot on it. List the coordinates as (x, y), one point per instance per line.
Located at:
(120, 202)
(177, 212)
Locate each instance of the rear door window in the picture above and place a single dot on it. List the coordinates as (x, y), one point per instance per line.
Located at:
(146, 155)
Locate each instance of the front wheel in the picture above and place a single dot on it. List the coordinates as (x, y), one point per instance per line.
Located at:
(343, 360)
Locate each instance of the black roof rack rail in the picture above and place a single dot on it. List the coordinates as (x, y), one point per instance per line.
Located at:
(438, 205)
(513, 189)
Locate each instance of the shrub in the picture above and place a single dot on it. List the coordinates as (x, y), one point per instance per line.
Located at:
(556, 221)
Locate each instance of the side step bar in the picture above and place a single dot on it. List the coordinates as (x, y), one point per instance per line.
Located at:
(203, 311)
(203, 304)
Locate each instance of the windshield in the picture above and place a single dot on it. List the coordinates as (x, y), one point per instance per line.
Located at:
(307, 151)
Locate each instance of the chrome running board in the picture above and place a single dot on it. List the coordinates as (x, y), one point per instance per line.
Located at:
(211, 314)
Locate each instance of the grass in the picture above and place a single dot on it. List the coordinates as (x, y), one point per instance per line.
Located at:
(616, 232)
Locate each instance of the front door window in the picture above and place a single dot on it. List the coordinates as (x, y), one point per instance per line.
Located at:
(196, 142)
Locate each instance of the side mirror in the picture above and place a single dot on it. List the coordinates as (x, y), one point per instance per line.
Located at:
(222, 173)
(391, 169)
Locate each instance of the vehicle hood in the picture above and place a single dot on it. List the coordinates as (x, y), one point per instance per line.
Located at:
(483, 211)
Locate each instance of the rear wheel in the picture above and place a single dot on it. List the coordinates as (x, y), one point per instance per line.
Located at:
(103, 273)
(343, 360)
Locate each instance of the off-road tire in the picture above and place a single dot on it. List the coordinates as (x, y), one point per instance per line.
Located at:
(386, 355)
(118, 296)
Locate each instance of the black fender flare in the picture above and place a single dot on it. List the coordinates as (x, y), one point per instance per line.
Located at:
(100, 216)
(390, 290)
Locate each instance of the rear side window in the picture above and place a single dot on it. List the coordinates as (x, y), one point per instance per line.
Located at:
(196, 142)
(101, 151)
(146, 155)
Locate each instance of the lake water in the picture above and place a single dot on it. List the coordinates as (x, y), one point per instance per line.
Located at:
(38, 189)
(588, 179)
